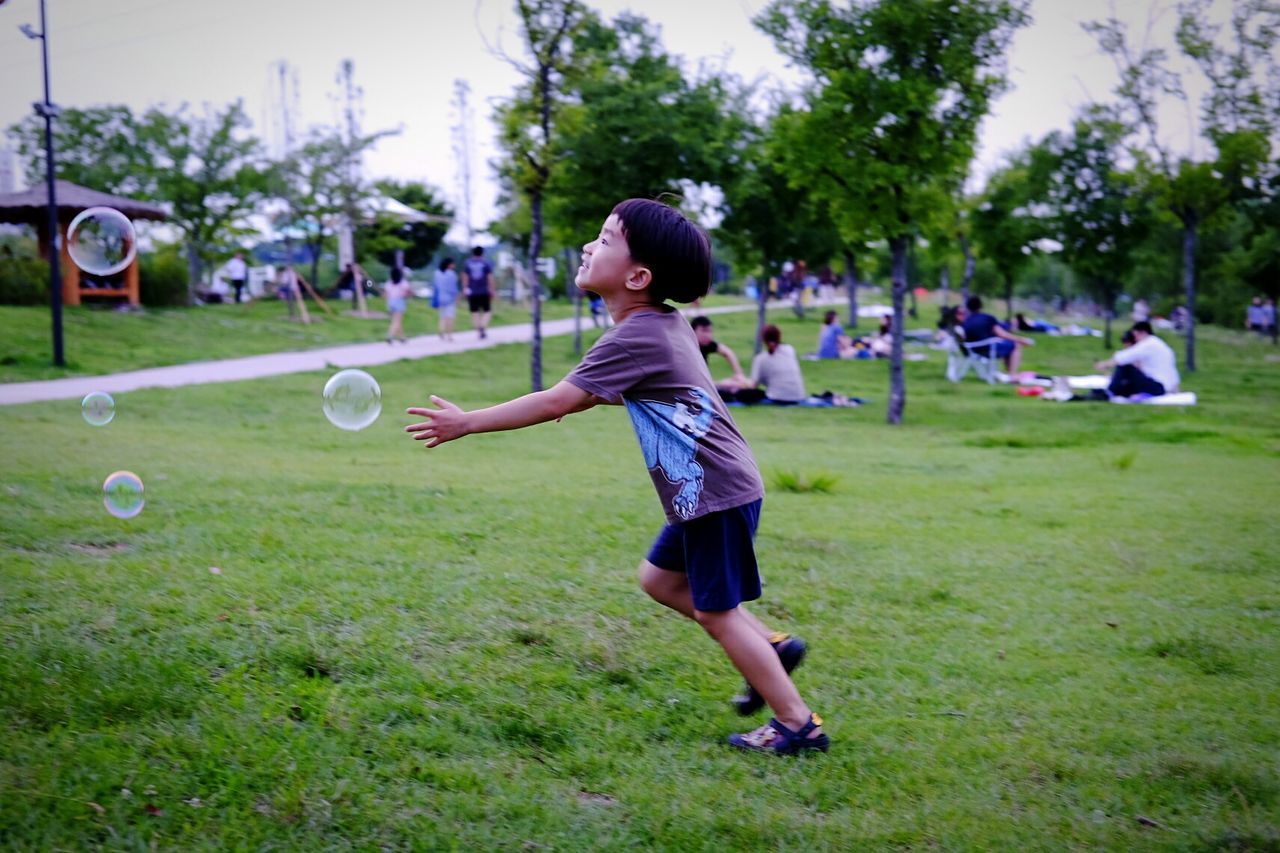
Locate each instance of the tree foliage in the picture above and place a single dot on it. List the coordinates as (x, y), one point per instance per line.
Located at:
(889, 121)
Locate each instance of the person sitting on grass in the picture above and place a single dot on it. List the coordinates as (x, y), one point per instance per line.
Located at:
(776, 370)
(709, 346)
(832, 341)
(703, 563)
(979, 327)
(1147, 367)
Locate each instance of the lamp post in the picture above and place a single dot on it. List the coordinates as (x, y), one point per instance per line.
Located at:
(49, 112)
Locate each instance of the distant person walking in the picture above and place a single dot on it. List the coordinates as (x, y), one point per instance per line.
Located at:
(397, 293)
(237, 272)
(444, 297)
(477, 285)
(1256, 316)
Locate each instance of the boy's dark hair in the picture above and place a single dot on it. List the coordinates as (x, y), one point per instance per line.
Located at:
(445, 263)
(974, 303)
(397, 275)
(829, 318)
(1129, 337)
(674, 249)
(700, 321)
(1142, 326)
(771, 334)
(477, 251)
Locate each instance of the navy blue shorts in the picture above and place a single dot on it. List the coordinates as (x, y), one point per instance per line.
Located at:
(1003, 349)
(717, 553)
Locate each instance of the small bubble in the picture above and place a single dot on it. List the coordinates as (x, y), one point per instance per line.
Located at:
(98, 408)
(123, 494)
(352, 399)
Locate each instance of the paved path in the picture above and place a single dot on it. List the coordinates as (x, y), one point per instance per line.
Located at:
(276, 364)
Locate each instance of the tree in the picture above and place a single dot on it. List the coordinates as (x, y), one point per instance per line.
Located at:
(631, 125)
(418, 240)
(528, 121)
(767, 220)
(1238, 117)
(97, 148)
(208, 170)
(889, 122)
(1003, 224)
(1099, 212)
(318, 188)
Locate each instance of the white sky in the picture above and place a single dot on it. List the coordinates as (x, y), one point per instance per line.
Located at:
(407, 54)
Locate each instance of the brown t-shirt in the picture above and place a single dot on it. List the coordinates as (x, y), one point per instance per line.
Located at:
(699, 461)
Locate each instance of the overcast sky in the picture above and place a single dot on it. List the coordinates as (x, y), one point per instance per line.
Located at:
(408, 53)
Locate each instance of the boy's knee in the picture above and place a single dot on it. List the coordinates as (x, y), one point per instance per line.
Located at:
(714, 621)
(650, 577)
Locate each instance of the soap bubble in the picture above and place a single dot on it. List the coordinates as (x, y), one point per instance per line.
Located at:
(98, 408)
(101, 241)
(352, 399)
(123, 494)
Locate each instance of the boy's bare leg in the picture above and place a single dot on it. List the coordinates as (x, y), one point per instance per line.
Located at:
(758, 663)
(672, 590)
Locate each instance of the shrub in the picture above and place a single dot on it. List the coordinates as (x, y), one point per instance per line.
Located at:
(162, 278)
(24, 276)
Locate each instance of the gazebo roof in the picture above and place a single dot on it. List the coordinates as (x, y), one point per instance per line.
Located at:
(30, 205)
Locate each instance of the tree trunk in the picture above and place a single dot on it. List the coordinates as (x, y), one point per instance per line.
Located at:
(897, 384)
(195, 269)
(1106, 327)
(970, 265)
(762, 308)
(535, 291)
(1008, 298)
(851, 285)
(1189, 227)
(571, 288)
(315, 247)
(912, 275)
(944, 283)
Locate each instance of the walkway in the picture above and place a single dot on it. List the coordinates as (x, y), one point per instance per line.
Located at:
(277, 364)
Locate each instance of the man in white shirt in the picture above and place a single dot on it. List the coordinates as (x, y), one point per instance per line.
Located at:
(777, 370)
(1147, 367)
(237, 271)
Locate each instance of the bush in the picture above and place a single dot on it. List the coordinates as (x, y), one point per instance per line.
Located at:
(24, 276)
(162, 278)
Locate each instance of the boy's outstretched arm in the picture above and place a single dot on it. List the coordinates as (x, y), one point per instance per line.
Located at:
(449, 422)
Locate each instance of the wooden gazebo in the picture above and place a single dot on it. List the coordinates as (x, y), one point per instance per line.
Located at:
(31, 207)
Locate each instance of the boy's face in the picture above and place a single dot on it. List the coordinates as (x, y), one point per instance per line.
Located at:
(703, 333)
(607, 264)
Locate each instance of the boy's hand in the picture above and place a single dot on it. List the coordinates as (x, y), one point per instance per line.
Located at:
(443, 424)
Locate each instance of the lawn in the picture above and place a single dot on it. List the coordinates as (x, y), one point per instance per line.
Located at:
(1032, 625)
(99, 340)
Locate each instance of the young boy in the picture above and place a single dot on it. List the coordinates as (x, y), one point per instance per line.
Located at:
(703, 563)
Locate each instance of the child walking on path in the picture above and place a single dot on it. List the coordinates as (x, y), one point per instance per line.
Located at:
(703, 563)
(397, 293)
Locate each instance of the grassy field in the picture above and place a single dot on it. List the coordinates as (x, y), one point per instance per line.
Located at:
(1032, 625)
(105, 341)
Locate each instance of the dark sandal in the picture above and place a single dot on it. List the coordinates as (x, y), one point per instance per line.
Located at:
(777, 739)
(791, 651)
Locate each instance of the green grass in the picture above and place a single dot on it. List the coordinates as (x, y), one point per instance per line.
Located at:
(1032, 625)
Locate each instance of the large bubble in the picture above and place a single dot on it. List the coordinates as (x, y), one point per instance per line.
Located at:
(101, 241)
(98, 408)
(122, 494)
(352, 399)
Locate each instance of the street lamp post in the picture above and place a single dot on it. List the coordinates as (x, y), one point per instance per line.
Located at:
(49, 112)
